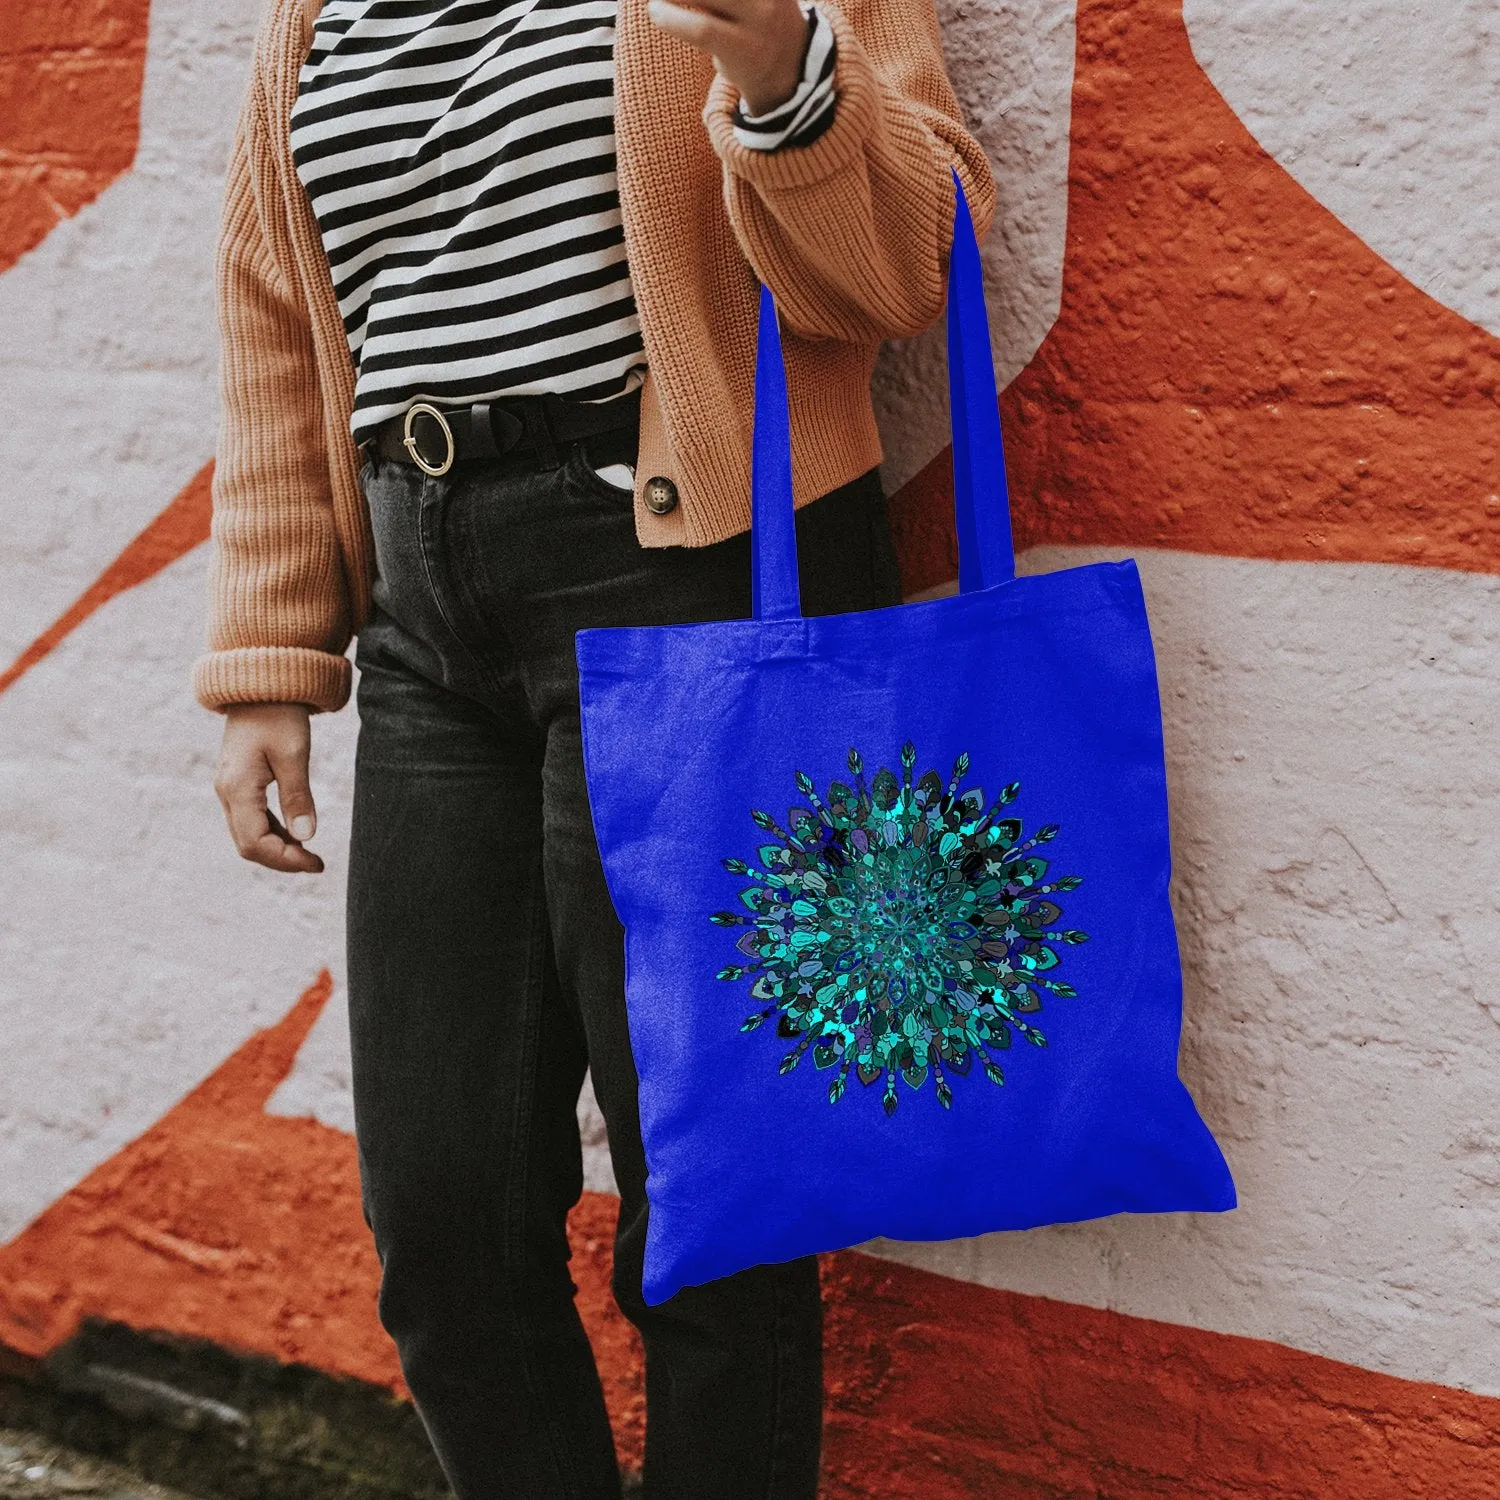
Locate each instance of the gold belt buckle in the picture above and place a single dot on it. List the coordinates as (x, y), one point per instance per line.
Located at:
(409, 441)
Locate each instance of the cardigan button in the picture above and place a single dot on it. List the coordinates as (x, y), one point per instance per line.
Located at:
(661, 496)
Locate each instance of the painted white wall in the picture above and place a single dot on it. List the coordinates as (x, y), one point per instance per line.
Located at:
(1386, 112)
(1011, 62)
(137, 950)
(1336, 844)
(108, 378)
(1334, 801)
(320, 1083)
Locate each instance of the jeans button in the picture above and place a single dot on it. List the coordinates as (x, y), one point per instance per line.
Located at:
(661, 495)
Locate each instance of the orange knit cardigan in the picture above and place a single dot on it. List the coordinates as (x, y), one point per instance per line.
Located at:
(851, 233)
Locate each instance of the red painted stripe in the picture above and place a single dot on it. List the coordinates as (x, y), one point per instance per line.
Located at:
(70, 109)
(229, 1224)
(225, 1223)
(940, 1388)
(221, 1222)
(183, 525)
(1232, 371)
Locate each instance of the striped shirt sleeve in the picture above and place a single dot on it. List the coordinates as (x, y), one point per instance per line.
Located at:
(800, 120)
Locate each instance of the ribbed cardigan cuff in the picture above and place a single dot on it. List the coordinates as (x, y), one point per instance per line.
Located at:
(273, 674)
(838, 149)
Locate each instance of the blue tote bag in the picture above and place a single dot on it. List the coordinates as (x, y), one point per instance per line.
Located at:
(900, 960)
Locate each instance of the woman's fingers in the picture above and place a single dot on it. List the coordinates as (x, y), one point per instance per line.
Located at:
(758, 45)
(265, 743)
(256, 833)
(299, 818)
(293, 792)
(290, 854)
(703, 28)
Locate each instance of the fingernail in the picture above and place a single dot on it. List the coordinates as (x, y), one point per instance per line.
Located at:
(302, 827)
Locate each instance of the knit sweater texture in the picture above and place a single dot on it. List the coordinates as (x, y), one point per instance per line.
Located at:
(850, 233)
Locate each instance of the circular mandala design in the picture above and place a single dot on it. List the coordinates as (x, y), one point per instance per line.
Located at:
(900, 929)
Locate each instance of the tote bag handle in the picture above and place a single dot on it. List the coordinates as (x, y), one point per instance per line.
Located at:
(981, 499)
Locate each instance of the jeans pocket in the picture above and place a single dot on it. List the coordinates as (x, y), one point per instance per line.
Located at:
(581, 471)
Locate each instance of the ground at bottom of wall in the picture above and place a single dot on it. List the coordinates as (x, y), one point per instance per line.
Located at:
(36, 1467)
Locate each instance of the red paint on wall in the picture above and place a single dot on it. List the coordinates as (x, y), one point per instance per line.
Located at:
(229, 1224)
(221, 1221)
(226, 1223)
(1232, 371)
(937, 1388)
(182, 526)
(70, 104)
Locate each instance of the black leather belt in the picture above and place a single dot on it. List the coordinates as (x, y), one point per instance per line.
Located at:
(434, 438)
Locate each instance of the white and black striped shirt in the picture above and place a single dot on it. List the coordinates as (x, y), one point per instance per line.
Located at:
(459, 157)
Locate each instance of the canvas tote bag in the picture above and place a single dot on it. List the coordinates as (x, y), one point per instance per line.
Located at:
(900, 960)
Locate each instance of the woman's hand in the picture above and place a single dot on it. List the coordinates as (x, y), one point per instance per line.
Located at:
(266, 742)
(758, 45)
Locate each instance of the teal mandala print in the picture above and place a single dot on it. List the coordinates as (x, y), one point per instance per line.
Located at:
(900, 929)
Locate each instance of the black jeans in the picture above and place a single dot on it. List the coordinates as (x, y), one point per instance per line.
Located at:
(486, 974)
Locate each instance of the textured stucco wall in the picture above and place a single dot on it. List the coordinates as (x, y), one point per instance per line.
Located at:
(1337, 853)
(1277, 238)
(1384, 110)
(134, 956)
(1011, 62)
(1186, 205)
